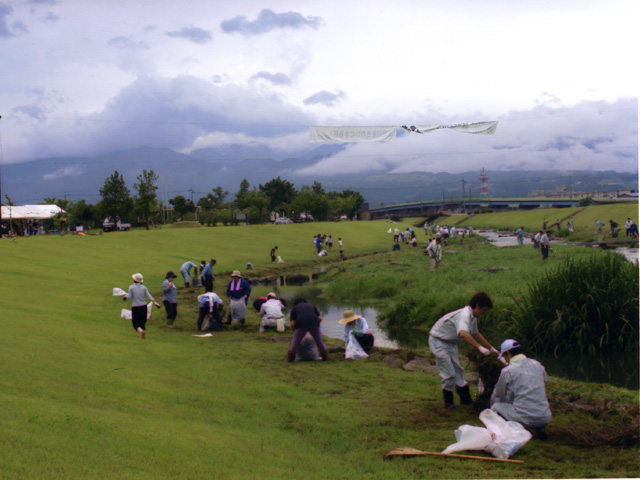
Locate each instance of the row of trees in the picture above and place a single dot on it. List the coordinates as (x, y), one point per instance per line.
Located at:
(255, 203)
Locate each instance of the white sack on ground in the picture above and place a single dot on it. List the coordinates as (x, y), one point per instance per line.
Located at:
(501, 438)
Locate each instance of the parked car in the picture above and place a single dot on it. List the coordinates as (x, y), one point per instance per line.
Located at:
(109, 225)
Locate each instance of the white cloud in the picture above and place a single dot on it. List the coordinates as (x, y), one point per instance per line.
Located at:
(72, 171)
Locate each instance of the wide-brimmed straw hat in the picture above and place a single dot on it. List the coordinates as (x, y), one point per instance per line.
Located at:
(236, 273)
(349, 316)
(137, 277)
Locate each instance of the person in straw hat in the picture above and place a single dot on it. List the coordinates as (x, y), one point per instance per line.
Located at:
(137, 293)
(360, 328)
(238, 291)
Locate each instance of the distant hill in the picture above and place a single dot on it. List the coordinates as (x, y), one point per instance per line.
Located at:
(81, 177)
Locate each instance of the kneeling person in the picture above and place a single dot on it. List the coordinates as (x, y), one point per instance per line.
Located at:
(519, 395)
(209, 309)
(271, 313)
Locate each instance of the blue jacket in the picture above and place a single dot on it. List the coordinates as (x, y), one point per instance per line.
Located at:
(242, 290)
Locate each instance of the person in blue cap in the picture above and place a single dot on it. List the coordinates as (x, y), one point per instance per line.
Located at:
(519, 394)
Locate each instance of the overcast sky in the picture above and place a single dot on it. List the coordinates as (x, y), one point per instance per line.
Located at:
(85, 77)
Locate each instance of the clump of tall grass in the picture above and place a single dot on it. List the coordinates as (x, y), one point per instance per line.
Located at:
(582, 306)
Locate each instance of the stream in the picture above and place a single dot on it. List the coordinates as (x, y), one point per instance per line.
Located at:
(621, 371)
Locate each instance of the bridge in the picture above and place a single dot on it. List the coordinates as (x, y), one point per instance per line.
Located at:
(437, 207)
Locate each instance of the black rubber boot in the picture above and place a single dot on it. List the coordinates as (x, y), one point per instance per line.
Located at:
(291, 356)
(465, 395)
(448, 400)
(186, 284)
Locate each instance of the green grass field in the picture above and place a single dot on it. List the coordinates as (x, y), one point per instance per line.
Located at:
(84, 397)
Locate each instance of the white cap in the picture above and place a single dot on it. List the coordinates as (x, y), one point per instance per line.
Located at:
(507, 345)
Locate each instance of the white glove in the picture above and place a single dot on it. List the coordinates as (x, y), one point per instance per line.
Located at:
(493, 350)
(484, 351)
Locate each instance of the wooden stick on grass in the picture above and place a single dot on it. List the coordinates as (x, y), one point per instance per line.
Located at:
(408, 452)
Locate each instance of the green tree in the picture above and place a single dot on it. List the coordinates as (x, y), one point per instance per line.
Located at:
(116, 200)
(353, 202)
(241, 202)
(259, 201)
(181, 206)
(280, 192)
(213, 200)
(83, 213)
(146, 200)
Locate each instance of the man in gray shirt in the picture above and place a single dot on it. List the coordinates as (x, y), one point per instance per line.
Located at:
(170, 298)
(519, 395)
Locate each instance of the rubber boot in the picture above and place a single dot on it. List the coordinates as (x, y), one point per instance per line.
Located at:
(324, 356)
(186, 284)
(291, 356)
(448, 400)
(465, 395)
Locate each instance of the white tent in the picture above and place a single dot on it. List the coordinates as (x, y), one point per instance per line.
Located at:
(30, 212)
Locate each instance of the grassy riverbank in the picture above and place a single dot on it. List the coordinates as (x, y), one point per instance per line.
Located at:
(84, 397)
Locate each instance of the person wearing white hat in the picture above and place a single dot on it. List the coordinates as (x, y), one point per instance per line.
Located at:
(360, 328)
(448, 331)
(137, 293)
(238, 291)
(519, 394)
(271, 313)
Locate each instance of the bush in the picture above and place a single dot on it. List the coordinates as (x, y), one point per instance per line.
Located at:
(586, 307)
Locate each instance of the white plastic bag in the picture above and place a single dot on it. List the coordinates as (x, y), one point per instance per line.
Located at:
(118, 292)
(508, 437)
(469, 438)
(354, 350)
(126, 314)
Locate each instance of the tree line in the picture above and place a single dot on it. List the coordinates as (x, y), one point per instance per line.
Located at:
(256, 203)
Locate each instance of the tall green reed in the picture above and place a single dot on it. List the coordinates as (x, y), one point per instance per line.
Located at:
(582, 306)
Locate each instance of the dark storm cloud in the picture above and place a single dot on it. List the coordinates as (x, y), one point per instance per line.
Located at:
(171, 113)
(193, 34)
(267, 21)
(325, 98)
(5, 31)
(275, 78)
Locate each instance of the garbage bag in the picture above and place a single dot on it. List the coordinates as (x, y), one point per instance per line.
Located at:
(508, 437)
(118, 292)
(469, 438)
(126, 314)
(307, 351)
(354, 350)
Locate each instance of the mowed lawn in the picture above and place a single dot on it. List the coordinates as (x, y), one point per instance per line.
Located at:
(83, 397)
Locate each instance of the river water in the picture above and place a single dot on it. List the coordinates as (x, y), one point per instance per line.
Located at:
(504, 240)
(622, 371)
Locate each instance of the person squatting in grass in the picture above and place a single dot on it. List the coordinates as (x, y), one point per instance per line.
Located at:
(305, 318)
(444, 337)
(137, 293)
(209, 308)
(238, 291)
(170, 298)
(271, 313)
(273, 254)
(360, 328)
(519, 395)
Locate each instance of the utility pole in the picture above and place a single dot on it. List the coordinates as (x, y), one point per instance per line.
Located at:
(442, 209)
(192, 192)
(464, 208)
(570, 190)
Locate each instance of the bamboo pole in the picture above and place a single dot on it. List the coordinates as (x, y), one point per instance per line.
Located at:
(408, 452)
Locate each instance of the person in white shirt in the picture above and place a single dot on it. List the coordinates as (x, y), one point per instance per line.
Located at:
(271, 312)
(448, 331)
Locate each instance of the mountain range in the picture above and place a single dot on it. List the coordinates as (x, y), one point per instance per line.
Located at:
(194, 175)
